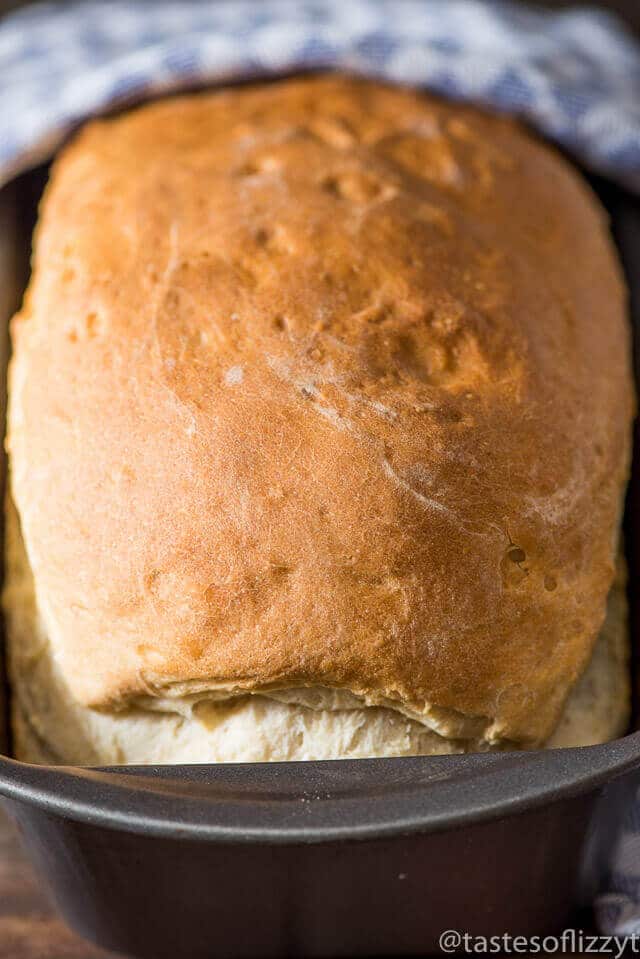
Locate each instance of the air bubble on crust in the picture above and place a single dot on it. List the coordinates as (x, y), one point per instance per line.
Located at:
(512, 568)
(259, 166)
(516, 554)
(335, 131)
(358, 187)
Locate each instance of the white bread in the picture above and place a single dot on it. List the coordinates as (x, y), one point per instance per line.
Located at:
(322, 386)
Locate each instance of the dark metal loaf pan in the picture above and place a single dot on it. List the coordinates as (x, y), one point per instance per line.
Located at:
(367, 857)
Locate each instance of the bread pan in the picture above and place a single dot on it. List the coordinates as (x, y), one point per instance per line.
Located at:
(344, 858)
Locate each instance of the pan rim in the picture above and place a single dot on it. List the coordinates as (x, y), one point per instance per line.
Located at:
(312, 802)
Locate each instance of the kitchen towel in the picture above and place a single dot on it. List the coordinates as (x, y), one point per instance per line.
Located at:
(574, 75)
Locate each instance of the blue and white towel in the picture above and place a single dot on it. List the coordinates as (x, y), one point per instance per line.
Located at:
(574, 75)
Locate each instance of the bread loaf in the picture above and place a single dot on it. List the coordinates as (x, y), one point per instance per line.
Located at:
(321, 393)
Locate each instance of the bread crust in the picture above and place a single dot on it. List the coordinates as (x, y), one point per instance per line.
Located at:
(322, 383)
(49, 726)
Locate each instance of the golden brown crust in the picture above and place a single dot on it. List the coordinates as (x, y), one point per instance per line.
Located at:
(49, 726)
(322, 383)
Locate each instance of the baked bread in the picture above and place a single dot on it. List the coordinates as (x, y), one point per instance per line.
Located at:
(320, 402)
(49, 726)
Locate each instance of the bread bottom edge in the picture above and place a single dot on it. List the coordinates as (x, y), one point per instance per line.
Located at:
(49, 726)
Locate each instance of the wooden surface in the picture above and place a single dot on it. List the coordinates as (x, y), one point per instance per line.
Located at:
(29, 927)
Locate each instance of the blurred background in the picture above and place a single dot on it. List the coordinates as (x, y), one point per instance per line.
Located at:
(629, 9)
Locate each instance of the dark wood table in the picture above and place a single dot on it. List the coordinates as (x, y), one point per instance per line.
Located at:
(29, 927)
